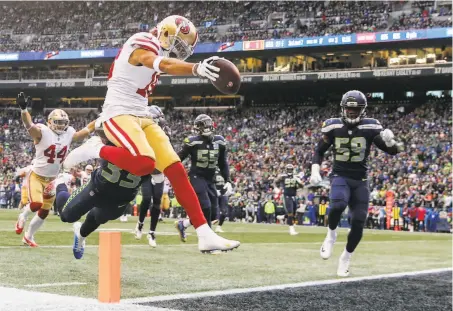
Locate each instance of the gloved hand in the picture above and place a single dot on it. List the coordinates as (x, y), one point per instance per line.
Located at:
(315, 177)
(387, 136)
(23, 101)
(204, 69)
(228, 189)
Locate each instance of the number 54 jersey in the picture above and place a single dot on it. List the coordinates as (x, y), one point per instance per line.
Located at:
(51, 151)
(351, 145)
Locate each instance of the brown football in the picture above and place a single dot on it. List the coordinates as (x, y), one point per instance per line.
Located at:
(229, 79)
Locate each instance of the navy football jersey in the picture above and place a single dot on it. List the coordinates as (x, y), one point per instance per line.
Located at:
(118, 185)
(206, 154)
(289, 184)
(351, 145)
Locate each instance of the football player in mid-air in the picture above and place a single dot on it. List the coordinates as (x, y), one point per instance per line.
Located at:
(141, 144)
(152, 190)
(207, 152)
(351, 136)
(290, 185)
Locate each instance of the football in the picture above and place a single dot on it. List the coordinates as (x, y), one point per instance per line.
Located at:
(229, 79)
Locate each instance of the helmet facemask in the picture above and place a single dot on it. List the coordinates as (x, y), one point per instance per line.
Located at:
(174, 45)
(352, 113)
(204, 126)
(59, 126)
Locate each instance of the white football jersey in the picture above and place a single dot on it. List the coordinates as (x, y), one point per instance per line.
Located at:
(129, 86)
(51, 151)
(64, 178)
(84, 178)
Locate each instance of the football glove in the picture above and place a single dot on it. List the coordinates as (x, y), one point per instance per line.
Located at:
(315, 177)
(204, 69)
(387, 137)
(23, 101)
(228, 189)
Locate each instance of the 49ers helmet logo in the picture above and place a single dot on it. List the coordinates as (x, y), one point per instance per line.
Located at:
(183, 25)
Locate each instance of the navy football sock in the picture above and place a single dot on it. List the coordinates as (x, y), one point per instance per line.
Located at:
(89, 225)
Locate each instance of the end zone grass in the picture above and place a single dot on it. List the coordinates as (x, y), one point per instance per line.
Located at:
(268, 256)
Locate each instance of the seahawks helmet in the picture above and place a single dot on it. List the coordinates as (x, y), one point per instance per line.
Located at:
(353, 105)
(203, 125)
(289, 169)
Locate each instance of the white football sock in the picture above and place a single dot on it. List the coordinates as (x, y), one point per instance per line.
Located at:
(27, 211)
(346, 254)
(204, 231)
(331, 233)
(34, 225)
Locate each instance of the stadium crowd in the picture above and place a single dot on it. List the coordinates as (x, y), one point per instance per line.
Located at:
(262, 141)
(52, 26)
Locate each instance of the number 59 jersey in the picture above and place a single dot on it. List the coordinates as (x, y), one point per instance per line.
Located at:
(351, 145)
(129, 86)
(51, 151)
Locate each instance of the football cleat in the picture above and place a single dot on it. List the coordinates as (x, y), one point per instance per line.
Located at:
(292, 231)
(343, 265)
(218, 229)
(78, 248)
(179, 225)
(327, 245)
(152, 240)
(89, 150)
(212, 244)
(20, 224)
(214, 222)
(30, 241)
(123, 218)
(138, 232)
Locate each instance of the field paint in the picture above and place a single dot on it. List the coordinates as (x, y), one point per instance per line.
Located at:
(55, 284)
(187, 245)
(279, 287)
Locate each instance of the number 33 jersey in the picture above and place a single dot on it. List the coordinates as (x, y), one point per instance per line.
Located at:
(117, 185)
(351, 145)
(129, 86)
(51, 151)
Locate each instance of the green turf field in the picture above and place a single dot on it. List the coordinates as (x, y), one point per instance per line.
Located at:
(268, 256)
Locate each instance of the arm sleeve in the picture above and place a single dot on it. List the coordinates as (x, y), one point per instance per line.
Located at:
(223, 163)
(379, 142)
(321, 148)
(185, 151)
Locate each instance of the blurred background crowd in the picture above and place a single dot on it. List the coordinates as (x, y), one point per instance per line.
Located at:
(261, 142)
(65, 25)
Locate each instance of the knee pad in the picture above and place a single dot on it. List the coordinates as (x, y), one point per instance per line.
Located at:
(35, 206)
(339, 205)
(42, 213)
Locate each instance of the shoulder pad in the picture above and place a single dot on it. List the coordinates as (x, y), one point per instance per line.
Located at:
(370, 124)
(193, 140)
(219, 139)
(146, 41)
(331, 124)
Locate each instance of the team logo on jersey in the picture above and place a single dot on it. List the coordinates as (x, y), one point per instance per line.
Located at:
(183, 25)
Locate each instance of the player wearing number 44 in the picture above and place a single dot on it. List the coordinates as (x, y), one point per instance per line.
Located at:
(351, 136)
(52, 142)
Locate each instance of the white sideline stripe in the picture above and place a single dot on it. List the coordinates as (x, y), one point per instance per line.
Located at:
(194, 245)
(279, 287)
(54, 284)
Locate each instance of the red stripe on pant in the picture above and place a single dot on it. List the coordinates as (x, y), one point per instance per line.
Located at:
(128, 139)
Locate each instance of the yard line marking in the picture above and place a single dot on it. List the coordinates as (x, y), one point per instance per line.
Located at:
(55, 284)
(192, 245)
(279, 287)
